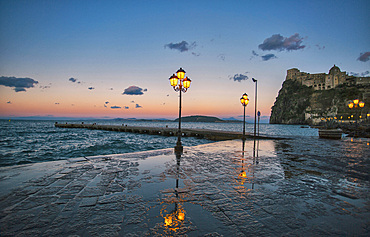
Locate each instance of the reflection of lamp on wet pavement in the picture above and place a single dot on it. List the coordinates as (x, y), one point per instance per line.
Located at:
(244, 100)
(179, 83)
(258, 131)
(174, 219)
(243, 174)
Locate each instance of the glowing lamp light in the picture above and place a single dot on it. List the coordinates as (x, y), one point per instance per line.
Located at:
(244, 100)
(361, 104)
(350, 105)
(174, 80)
(186, 82)
(243, 174)
(168, 221)
(180, 73)
(181, 216)
(356, 101)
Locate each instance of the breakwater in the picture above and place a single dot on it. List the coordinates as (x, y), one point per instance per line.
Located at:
(215, 135)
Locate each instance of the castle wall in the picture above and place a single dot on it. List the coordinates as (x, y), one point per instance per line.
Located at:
(323, 81)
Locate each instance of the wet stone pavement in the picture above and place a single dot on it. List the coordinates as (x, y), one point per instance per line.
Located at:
(296, 187)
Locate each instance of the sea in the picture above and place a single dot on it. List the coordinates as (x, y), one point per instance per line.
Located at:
(28, 141)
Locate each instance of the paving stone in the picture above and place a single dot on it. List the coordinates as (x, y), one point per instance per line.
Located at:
(88, 201)
(286, 193)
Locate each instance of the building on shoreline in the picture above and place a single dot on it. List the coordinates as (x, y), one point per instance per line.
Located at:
(323, 81)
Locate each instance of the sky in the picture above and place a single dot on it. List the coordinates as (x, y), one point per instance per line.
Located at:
(113, 59)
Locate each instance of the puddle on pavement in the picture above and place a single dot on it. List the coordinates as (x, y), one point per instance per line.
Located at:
(171, 206)
(185, 195)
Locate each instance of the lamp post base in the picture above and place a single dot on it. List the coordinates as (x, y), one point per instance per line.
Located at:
(179, 148)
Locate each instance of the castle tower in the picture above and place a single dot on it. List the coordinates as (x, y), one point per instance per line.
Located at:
(292, 74)
(334, 78)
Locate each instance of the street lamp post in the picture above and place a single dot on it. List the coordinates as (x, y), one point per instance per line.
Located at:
(255, 117)
(244, 100)
(255, 107)
(181, 84)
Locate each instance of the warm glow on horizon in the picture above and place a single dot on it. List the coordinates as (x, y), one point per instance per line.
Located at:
(68, 62)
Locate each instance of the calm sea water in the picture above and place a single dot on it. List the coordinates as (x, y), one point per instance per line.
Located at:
(24, 142)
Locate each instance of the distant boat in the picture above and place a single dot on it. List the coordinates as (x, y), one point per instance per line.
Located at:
(330, 133)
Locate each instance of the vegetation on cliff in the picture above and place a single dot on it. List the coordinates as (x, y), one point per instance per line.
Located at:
(299, 104)
(291, 103)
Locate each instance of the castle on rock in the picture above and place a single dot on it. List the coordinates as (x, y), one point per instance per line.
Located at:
(323, 81)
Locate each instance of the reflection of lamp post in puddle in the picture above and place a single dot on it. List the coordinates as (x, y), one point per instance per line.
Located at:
(174, 219)
(258, 132)
(243, 174)
(179, 83)
(244, 100)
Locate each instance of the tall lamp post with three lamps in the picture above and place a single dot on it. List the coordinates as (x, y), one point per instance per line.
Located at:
(244, 100)
(181, 84)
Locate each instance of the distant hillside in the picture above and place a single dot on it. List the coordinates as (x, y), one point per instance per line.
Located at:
(199, 118)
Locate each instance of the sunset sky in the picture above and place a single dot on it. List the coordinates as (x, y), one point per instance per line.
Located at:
(113, 58)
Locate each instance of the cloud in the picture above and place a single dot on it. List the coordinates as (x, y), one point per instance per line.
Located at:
(320, 47)
(263, 57)
(137, 106)
(221, 56)
(72, 79)
(280, 43)
(134, 90)
(364, 57)
(268, 57)
(183, 46)
(365, 73)
(19, 84)
(126, 107)
(45, 87)
(91, 88)
(362, 74)
(115, 107)
(239, 77)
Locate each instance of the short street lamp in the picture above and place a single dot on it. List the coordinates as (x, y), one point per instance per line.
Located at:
(179, 83)
(244, 100)
(356, 104)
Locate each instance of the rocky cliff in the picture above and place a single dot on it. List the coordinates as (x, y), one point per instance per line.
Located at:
(300, 104)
